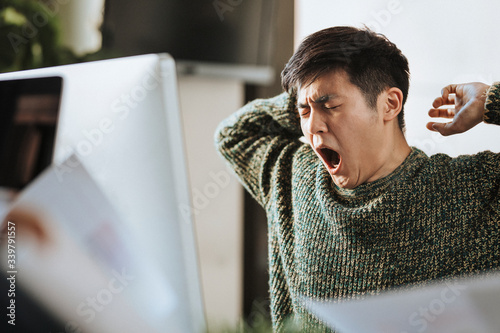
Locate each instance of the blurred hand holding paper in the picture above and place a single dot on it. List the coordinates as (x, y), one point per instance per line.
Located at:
(72, 250)
(452, 306)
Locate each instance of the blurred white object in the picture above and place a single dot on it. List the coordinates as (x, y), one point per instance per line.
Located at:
(121, 119)
(81, 21)
(76, 249)
(452, 306)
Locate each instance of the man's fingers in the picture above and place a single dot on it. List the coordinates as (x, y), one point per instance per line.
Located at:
(444, 100)
(438, 127)
(430, 126)
(446, 129)
(442, 113)
(449, 89)
(439, 101)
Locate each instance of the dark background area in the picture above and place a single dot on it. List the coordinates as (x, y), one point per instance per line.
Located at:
(223, 31)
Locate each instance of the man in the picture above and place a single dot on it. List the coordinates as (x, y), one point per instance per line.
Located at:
(354, 209)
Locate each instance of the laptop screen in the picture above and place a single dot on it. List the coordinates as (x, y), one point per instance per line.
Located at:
(28, 118)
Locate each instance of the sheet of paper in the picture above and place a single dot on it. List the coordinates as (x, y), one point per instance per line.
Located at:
(454, 306)
(86, 264)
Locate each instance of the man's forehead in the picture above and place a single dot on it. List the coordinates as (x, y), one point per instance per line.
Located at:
(325, 87)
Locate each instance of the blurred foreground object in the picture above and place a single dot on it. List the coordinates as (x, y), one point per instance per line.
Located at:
(66, 247)
(114, 198)
(451, 305)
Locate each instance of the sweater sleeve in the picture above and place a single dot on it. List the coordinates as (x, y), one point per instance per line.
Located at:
(491, 161)
(254, 138)
(492, 105)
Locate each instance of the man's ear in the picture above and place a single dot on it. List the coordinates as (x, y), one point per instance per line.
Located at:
(392, 103)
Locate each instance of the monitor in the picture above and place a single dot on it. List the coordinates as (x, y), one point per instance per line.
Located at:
(120, 119)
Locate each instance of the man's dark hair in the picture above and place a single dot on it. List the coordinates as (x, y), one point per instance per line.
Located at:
(372, 62)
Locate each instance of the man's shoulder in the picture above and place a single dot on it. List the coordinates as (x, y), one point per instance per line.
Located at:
(466, 163)
(479, 157)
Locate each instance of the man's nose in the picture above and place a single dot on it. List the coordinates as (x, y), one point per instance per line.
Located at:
(316, 123)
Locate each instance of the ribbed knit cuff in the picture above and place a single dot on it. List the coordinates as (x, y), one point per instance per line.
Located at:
(492, 105)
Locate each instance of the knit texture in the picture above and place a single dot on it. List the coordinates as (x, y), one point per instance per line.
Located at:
(431, 218)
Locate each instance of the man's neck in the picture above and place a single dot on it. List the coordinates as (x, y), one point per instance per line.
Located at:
(395, 153)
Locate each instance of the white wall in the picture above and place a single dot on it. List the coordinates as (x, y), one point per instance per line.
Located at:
(216, 194)
(445, 42)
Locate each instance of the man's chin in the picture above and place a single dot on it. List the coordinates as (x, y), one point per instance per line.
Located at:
(342, 182)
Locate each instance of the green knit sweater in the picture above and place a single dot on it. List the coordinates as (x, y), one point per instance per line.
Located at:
(431, 218)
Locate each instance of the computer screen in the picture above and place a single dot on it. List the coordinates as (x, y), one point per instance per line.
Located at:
(28, 122)
(120, 120)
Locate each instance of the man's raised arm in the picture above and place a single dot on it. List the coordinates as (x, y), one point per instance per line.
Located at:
(260, 139)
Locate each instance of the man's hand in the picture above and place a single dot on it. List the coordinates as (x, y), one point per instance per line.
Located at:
(462, 102)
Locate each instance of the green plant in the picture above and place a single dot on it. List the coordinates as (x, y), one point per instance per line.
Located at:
(30, 36)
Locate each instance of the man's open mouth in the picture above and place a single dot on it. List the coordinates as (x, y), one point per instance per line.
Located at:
(331, 157)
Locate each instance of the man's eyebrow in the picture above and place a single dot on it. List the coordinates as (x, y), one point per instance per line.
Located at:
(325, 98)
(301, 105)
(319, 100)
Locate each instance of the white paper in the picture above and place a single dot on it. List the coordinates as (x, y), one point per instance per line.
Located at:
(88, 255)
(454, 306)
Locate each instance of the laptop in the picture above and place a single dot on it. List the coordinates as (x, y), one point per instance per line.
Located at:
(96, 151)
